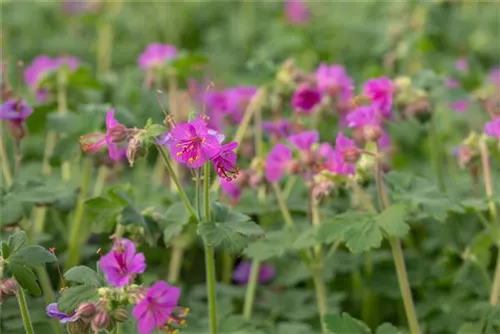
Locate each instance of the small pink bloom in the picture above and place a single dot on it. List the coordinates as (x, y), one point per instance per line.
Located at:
(333, 80)
(296, 12)
(492, 128)
(342, 145)
(304, 140)
(452, 83)
(238, 99)
(326, 155)
(280, 129)
(122, 263)
(384, 141)
(277, 161)
(242, 273)
(380, 91)
(225, 162)
(157, 306)
(230, 188)
(462, 65)
(459, 106)
(363, 116)
(156, 55)
(305, 99)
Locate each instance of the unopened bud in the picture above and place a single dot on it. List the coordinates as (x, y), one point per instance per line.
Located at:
(16, 130)
(101, 321)
(77, 327)
(372, 132)
(351, 155)
(120, 315)
(322, 189)
(9, 287)
(118, 133)
(141, 294)
(86, 310)
(134, 149)
(293, 167)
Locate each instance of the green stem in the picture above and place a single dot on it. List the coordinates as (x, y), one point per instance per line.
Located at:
(102, 174)
(282, 205)
(495, 289)
(321, 294)
(76, 227)
(62, 108)
(118, 328)
(28, 326)
(174, 266)
(251, 289)
(4, 160)
(209, 256)
(48, 294)
(227, 267)
(435, 146)
(174, 178)
(39, 225)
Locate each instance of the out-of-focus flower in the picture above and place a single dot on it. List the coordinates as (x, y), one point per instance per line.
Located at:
(384, 142)
(115, 134)
(452, 83)
(122, 263)
(157, 306)
(279, 129)
(238, 99)
(305, 99)
(74, 7)
(346, 153)
(225, 162)
(380, 91)
(492, 128)
(459, 106)
(364, 116)
(296, 12)
(242, 273)
(462, 65)
(15, 110)
(230, 188)
(333, 79)
(495, 76)
(53, 312)
(305, 140)
(156, 55)
(277, 162)
(326, 155)
(192, 143)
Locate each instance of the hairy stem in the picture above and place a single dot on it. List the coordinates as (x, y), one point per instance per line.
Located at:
(102, 174)
(321, 294)
(251, 289)
(23, 307)
(4, 160)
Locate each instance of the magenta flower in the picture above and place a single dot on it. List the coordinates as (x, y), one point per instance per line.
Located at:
(342, 147)
(363, 116)
(495, 76)
(156, 55)
(238, 99)
(15, 110)
(462, 65)
(277, 161)
(115, 133)
(157, 306)
(380, 91)
(241, 274)
(332, 79)
(452, 83)
(53, 312)
(42, 65)
(230, 188)
(193, 144)
(280, 129)
(326, 155)
(384, 142)
(225, 162)
(122, 263)
(296, 12)
(492, 128)
(305, 140)
(459, 106)
(305, 99)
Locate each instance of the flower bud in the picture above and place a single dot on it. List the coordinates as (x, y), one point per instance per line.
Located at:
(141, 294)
(101, 321)
(372, 133)
(120, 315)
(86, 310)
(134, 149)
(118, 133)
(293, 167)
(9, 286)
(351, 155)
(77, 327)
(16, 130)
(322, 189)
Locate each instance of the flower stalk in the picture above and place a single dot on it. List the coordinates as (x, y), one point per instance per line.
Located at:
(4, 160)
(23, 307)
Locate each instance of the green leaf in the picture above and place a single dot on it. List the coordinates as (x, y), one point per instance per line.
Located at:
(174, 220)
(36, 123)
(26, 278)
(83, 78)
(218, 235)
(67, 122)
(224, 214)
(5, 250)
(274, 243)
(155, 130)
(66, 149)
(130, 215)
(12, 209)
(16, 242)
(32, 256)
(392, 220)
(84, 275)
(387, 328)
(74, 296)
(102, 213)
(470, 327)
(345, 324)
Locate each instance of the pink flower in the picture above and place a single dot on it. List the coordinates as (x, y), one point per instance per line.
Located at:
(303, 141)
(342, 147)
(277, 162)
(363, 116)
(156, 55)
(333, 80)
(296, 12)
(452, 83)
(230, 188)
(305, 99)
(459, 106)
(42, 65)
(242, 273)
(155, 309)
(384, 141)
(462, 65)
(122, 263)
(495, 76)
(326, 155)
(15, 110)
(492, 128)
(225, 162)
(192, 143)
(238, 99)
(380, 91)
(280, 129)
(115, 133)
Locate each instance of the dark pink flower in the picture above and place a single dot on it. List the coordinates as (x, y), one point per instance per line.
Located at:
(192, 143)
(156, 55)
(225, 162)
(462, 65)
(305, 99)
(459, 106)
(492, 128)
(333, 80)
(296, 12)
(242, 273)
(305, 140)
(15, 110)
(363, 116)
(343, 145)
(156, 307)
(380, 91)
(115, 133)
(122, 263)
(277, 161)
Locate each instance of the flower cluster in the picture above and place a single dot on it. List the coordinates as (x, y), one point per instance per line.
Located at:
(228, 102)
(155, 307)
